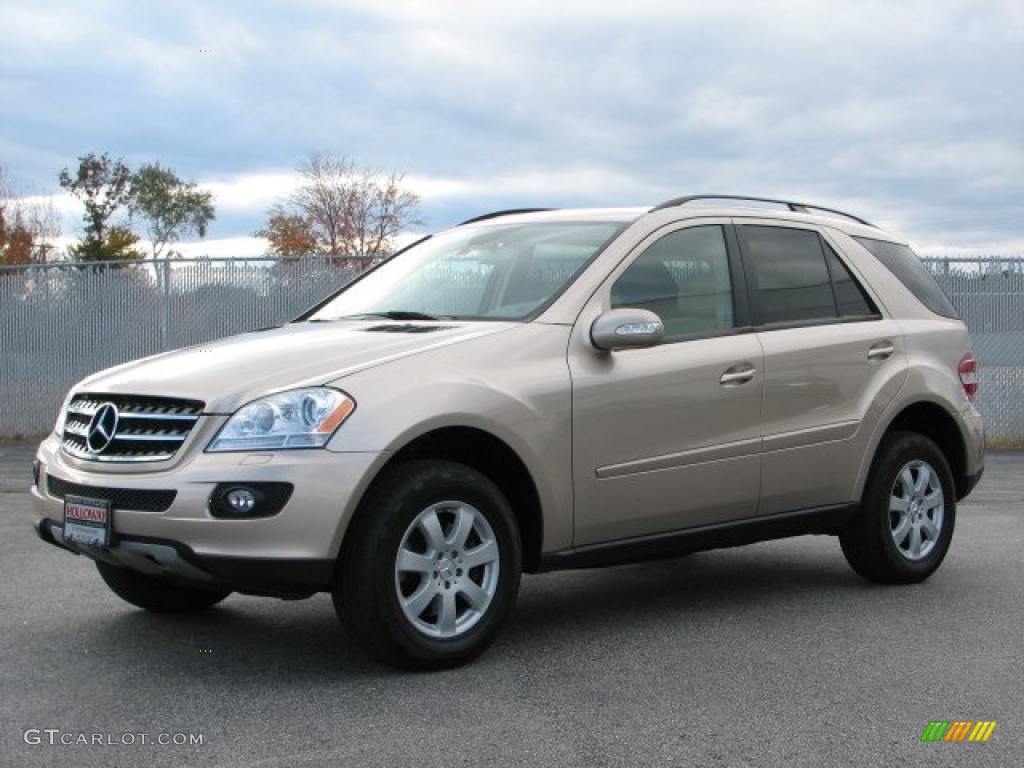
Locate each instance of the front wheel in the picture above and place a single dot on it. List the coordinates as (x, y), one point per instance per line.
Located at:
(154, 595)
(907, 514)
(430, 567)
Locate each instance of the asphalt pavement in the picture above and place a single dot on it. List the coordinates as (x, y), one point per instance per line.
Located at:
(769, 655)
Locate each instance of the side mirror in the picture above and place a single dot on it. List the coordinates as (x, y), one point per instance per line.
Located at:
(626, 329)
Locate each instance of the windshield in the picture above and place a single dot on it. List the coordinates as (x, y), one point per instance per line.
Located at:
(498, 272)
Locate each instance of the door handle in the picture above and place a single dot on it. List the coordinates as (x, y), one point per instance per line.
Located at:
(738, 374)
(883, 350)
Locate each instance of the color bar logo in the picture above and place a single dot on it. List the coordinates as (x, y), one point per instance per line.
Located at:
(958, 730)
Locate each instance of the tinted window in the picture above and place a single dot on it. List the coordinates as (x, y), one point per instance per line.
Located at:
(851, 297)
(789, 278)
(903, 263)
(684, 279)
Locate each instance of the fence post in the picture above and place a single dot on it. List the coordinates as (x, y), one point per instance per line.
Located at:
(165, 279)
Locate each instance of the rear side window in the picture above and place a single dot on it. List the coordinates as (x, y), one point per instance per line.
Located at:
(788, 274)
(852, 299)
(909, 270)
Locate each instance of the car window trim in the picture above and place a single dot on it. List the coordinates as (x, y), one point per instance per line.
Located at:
(716, 333)
(682, 338)
(743, 311)
(822, 246)
(815, 322)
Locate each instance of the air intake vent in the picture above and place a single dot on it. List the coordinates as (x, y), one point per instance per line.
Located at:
(407, 328)
(127, 428)
(120, 498)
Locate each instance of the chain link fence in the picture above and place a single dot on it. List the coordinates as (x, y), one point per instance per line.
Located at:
(61, 322)
(988, 293)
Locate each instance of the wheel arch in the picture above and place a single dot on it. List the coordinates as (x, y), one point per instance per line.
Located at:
(491, 456)
(935, 421)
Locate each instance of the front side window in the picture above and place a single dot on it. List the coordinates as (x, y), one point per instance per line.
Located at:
(497, 272)
(788, 274)
(684, 279)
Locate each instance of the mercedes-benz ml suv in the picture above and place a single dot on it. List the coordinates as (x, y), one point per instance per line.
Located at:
(528, 391)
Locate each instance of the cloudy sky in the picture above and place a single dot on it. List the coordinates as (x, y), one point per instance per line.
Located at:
(908, 113)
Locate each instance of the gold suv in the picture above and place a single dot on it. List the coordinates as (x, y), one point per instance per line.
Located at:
(528, 391)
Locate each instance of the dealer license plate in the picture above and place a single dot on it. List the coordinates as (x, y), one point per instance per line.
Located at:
(87, 522)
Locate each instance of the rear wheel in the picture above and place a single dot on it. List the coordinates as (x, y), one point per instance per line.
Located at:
(907, 515)
(152, 594)
(431, 566)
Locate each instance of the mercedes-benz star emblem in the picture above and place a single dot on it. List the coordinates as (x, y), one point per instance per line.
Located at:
(102, 428)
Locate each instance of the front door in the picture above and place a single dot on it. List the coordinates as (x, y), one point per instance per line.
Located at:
(668, 437)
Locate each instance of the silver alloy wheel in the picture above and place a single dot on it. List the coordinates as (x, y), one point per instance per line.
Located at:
(916, 508)
(446, 569)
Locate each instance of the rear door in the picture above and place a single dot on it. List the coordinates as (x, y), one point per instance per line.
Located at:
(669, 437)
(832, 362)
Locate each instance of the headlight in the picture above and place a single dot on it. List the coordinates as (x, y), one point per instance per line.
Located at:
(301, 418)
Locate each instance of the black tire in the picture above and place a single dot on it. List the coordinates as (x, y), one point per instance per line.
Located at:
(154, 595)
(366, 593)
(868, 541)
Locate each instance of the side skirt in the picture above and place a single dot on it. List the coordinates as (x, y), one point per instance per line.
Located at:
(820, 520)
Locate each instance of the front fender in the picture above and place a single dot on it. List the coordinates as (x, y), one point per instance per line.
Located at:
(519, 392)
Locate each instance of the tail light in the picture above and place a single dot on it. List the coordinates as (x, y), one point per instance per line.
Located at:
(968, 370)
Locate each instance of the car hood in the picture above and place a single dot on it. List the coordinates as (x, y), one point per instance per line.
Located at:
(230, 372)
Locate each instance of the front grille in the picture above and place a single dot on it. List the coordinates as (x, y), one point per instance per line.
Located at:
(143, 428)
(119, 498)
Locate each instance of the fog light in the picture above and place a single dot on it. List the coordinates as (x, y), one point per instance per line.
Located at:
(35, 472)
(242, 500)
(247, 500)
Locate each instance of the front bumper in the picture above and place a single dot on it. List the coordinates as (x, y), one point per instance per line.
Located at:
(291, 551)
(175, 562)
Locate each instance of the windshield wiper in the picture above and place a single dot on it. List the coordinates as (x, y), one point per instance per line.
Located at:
(391, 314)
(407, 314)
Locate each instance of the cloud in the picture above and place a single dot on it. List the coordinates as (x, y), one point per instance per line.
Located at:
(251, 192)
(908, 113)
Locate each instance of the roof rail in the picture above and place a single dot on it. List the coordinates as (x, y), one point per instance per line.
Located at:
(506, 212)
(799, 207)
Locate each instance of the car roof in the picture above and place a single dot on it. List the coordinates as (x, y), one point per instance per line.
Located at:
(623, 215)
(702, 209)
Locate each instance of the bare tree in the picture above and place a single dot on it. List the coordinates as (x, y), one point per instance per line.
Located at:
(27, 227)
(384, 209)
(347, 210)
(323, 199)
